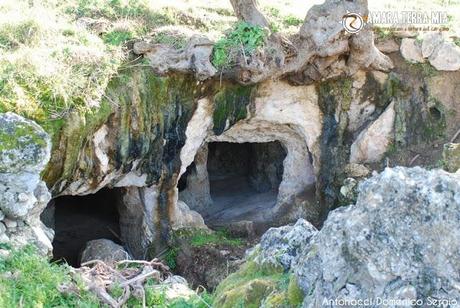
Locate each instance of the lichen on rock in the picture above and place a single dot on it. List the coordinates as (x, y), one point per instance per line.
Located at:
(24, 153)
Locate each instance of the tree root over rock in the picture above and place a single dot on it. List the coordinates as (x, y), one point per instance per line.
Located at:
(130, 275)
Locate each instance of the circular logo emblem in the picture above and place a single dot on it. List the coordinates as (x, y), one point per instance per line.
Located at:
(352, 22)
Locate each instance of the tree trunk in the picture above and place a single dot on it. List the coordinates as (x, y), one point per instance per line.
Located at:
(247, 10)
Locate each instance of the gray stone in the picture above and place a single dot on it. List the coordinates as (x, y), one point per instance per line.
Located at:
(446, 57)
(430, 42)
(24, 145)
(104, 250)
(280, 246)
(9, 223)
(411, 50)
(24, 152)
(2, 228)
(400, 241)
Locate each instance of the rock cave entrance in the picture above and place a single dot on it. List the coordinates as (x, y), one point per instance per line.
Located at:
(79, 219)
(244, 179)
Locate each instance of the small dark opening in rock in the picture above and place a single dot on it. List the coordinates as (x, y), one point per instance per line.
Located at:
(79, 219)
(183, 179)
(244, 180)
(435, 113)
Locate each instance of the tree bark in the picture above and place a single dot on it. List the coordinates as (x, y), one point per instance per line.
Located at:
(248, 11)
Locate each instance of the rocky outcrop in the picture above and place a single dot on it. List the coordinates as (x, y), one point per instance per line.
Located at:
(24, 153)
(441, 54)
(399, 242)
(103, 250)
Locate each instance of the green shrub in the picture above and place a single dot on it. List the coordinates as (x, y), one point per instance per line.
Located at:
(244, 38)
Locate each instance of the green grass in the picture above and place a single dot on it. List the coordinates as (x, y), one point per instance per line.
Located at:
(200, 238)
(29, 280)
(243, 38)
(35, 281)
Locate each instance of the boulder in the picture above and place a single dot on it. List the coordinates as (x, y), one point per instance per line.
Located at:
(451, 156)
(446, 57)
(387, 46)
(372, 143)
(24, 152)
(431, 41)
(411, 50)
(280, 246)
(399, 242)
(24, 145)
(104, 250)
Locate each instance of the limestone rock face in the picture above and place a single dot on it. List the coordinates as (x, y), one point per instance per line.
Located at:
(24, 152)
(400, 241)
(104, 250)
(411, 50)
(372, 143)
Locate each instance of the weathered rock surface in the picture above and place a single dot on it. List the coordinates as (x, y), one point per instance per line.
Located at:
(399, 242)
(24, 153)
(104, 250)
(281, 246)
(446, 57)
(430, 42)
(373, 142)
(411, 50)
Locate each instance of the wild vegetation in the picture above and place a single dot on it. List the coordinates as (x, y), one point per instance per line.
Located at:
(27, 279)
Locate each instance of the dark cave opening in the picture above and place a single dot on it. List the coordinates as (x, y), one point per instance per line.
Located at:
(244, 179)
(79, 219)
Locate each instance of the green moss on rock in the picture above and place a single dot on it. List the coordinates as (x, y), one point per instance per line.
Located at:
(254, 284)
(230, 106)
(23, 144)
(295, 294)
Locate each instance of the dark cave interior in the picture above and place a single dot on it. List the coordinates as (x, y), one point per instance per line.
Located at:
(79, 219)
(244, 179)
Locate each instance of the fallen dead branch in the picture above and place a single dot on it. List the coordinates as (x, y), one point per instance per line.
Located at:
(130, 275)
